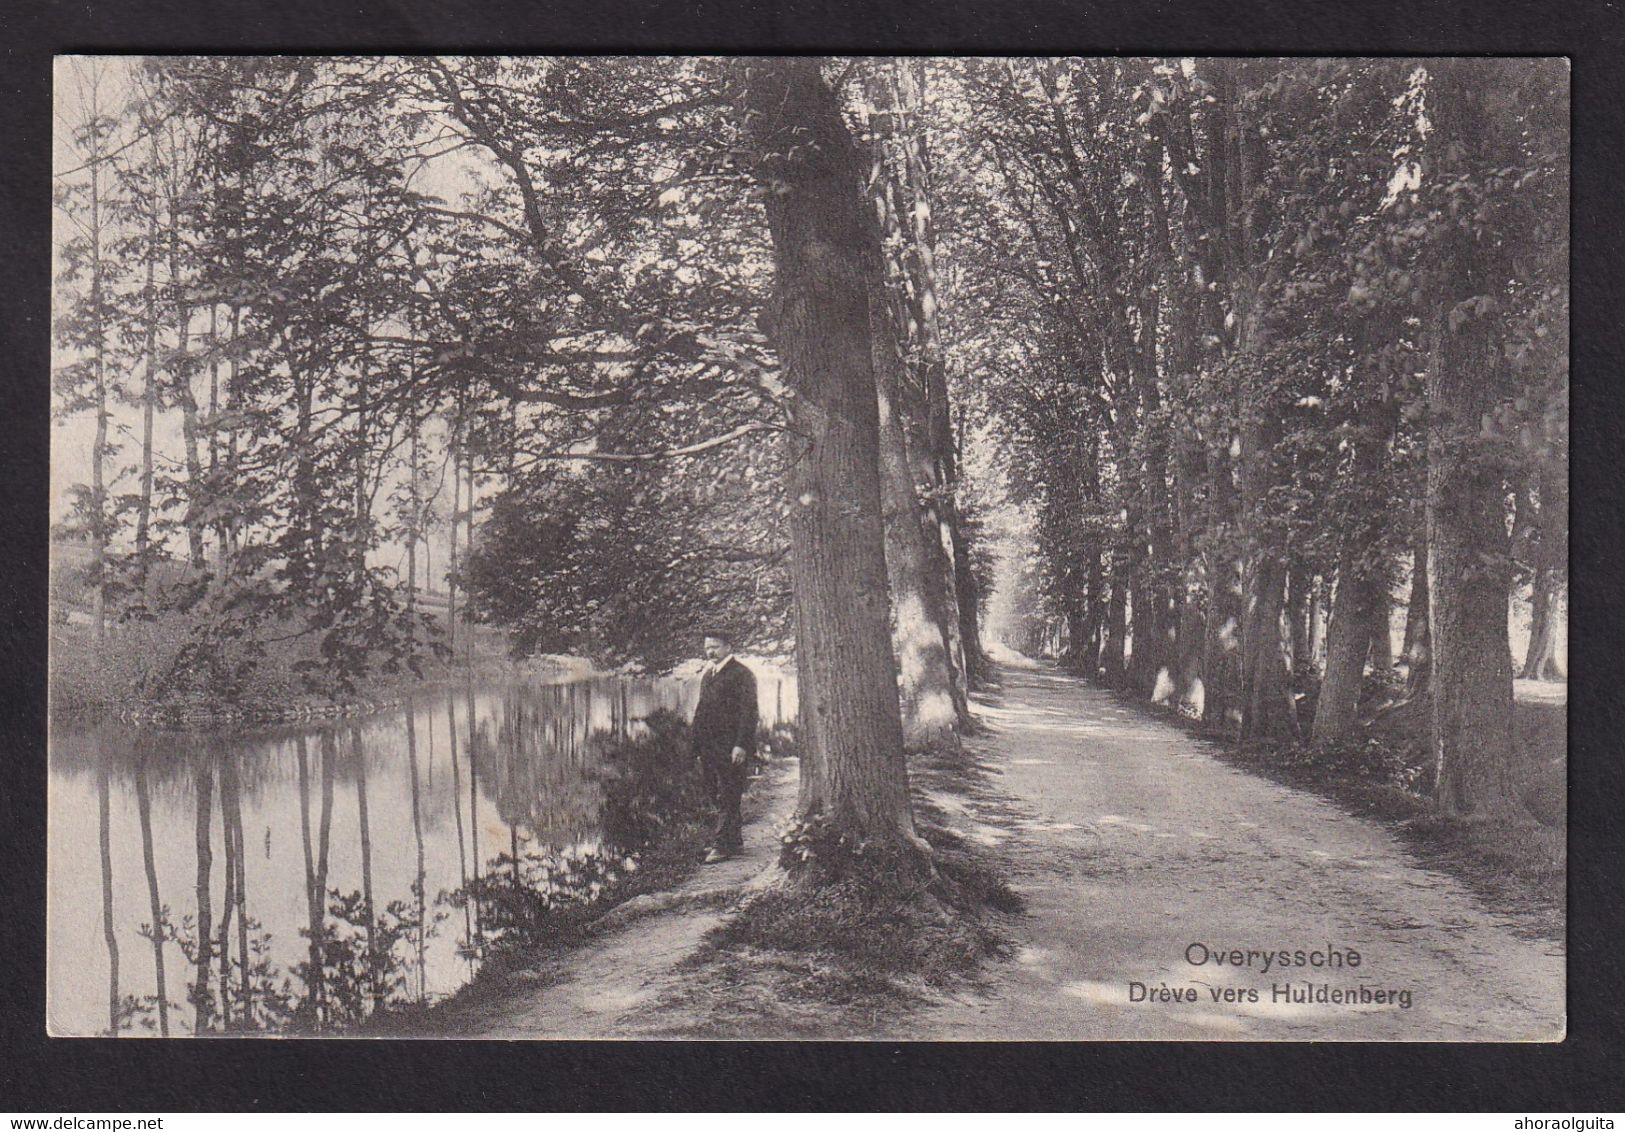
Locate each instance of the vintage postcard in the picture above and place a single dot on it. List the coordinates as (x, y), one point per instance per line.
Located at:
(848, 548)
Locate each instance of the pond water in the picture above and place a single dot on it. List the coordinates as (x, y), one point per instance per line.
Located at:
(242, 834)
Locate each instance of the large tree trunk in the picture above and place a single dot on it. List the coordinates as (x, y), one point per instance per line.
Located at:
(1382, 632)
(1094, 616)
(1359, 621)
(1268, 710)
(1468, 575)
(1073, 653)
(1348, 640)
(1316, 622)
(1113, 660)
(1267, 707)
(1143, 626)
(1299, 581)
(967, 591)
(1221, 641)
(853, 772)
(1467, 592)
(1192, 626)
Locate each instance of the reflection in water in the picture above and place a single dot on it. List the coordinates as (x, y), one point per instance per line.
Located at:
(111, 937)
(367, 910)
(363, 843)
(478, 943)
(457, 812)
(203, 788)
(236, 902)
(143, 801)
(417, 838)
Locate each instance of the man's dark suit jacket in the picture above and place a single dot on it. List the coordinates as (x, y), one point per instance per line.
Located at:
(725, 717)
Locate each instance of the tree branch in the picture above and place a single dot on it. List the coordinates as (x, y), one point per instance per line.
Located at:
(657, 454)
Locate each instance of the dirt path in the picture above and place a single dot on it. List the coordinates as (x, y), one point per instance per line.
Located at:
(604, 989)
(1134, 843)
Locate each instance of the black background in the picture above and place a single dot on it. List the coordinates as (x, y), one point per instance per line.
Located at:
(1586, 1072)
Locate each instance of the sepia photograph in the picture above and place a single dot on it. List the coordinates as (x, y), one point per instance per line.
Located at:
(833, 548)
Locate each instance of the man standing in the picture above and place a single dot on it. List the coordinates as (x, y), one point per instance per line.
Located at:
(724, 738)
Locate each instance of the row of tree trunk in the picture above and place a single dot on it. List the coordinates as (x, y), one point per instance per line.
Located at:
(1195, 595)
(886, 644)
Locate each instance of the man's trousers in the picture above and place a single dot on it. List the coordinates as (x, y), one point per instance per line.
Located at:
(725, 782)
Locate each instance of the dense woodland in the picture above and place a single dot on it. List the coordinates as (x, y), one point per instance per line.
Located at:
(612, 349)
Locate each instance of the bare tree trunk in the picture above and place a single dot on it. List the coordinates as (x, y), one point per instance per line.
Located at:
(149, 403)
(180, 373)
(99, 519)
(853, 773)
(214, 424)
(234, 520)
